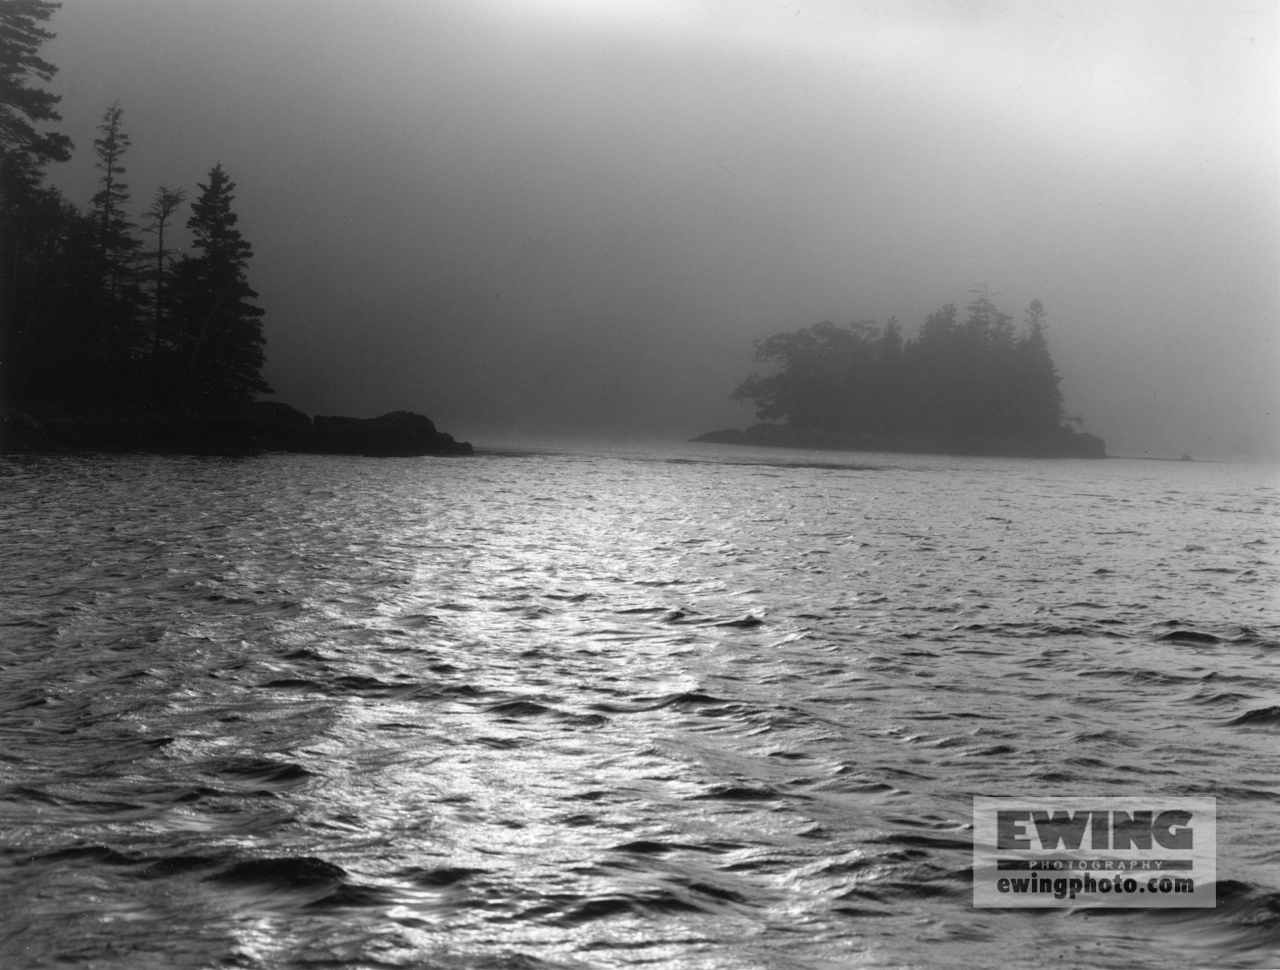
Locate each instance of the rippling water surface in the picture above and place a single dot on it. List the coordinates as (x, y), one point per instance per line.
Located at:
(694, 708)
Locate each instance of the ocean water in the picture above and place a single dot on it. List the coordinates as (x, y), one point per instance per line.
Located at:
(685, 706)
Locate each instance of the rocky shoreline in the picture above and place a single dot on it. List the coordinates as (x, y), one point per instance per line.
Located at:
(1068, 444)
(263, 426)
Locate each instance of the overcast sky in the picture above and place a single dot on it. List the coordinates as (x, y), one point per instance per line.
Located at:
(523, 215)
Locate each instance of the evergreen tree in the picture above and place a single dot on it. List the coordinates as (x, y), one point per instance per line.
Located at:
(891, 343)
(117, 247)
(981, 315)
(23, 107)
(939, 328)
(1039, 397)
(987, 350)
(891, 386)
(161, 210)
(29, 213)
(47, 347)
(120, 303)
(219, 330)
(933, 373)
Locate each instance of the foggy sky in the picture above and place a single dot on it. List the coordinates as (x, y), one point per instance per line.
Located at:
(523, 215)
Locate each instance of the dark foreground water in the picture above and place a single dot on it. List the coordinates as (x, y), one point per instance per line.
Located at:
(702, 708)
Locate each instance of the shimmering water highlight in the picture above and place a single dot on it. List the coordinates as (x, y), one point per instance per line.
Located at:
(687, 708)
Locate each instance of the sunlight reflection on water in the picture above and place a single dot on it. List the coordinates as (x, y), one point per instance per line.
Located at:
(706, 707)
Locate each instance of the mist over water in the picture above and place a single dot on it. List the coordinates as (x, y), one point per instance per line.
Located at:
(564, 215)
(691, 706)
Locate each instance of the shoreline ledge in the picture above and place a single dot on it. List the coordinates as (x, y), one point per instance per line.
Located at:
(259, 427)
(1066, 444)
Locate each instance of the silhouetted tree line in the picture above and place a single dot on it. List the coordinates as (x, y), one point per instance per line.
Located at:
(98, 307)
(971, 384)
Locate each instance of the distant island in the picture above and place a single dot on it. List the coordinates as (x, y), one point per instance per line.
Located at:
(975, 386)
(112, 341)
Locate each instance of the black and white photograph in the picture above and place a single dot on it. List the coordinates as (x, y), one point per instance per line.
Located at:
(694, 484)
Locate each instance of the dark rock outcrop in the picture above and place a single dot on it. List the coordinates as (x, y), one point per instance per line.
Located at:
(279, 427)
(1087, 445)
(264, 426)
(396, 434)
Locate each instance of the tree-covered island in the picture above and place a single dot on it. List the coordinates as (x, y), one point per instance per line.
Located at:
(109, 337)
(972, 386)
